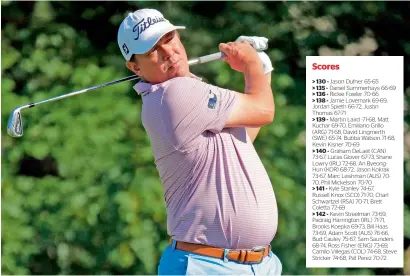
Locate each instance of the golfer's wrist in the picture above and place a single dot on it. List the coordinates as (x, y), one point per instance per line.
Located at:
(254, 65)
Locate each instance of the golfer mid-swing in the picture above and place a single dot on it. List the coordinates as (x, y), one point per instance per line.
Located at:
(222, 212)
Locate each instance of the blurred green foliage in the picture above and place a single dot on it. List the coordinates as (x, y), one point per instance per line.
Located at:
(80, 191)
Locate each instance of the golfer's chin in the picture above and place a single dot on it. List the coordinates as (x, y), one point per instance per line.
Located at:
(170, 73)
(176, 72)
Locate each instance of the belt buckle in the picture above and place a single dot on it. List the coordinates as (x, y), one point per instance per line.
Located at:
(258, 249)
(255, 249)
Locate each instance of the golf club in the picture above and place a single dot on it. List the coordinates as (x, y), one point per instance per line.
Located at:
(15, 123)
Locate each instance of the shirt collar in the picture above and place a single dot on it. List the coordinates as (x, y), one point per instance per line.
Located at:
(143, 88)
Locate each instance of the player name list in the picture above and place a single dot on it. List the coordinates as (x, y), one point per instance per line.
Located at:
(354, 161)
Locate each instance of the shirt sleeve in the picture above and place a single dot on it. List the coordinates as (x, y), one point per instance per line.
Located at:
(190, 107)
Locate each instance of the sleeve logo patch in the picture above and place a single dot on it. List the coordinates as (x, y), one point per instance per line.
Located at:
(212, 100)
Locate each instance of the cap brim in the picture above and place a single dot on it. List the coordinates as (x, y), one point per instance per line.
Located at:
(154, 41)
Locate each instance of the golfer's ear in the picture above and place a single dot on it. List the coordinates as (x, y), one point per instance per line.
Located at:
(133, 66)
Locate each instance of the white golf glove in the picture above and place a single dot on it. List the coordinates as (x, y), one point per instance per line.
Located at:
(260, 44)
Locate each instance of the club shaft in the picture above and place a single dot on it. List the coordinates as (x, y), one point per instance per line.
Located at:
(200, 60)
(81, 91)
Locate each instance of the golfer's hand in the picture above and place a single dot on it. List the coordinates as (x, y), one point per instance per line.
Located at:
(260, 43)
(239, 55)
(267, 63)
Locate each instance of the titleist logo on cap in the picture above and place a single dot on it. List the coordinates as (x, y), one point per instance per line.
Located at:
(143, 25)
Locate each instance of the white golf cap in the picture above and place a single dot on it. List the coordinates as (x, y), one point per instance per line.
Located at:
(141, 30)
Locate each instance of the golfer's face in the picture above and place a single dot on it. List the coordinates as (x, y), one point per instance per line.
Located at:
(166, 60)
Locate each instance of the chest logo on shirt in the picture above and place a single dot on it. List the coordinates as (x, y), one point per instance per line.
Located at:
(212, 100)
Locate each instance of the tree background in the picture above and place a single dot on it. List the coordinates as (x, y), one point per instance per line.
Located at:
(80, 192)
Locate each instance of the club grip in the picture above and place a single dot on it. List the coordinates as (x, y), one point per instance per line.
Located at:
(211, 57)
(206, 58)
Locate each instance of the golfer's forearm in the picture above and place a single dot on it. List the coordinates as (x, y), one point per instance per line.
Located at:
(257, 86)
(254, 131)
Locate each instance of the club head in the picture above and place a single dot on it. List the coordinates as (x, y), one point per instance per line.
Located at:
(15, 124)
